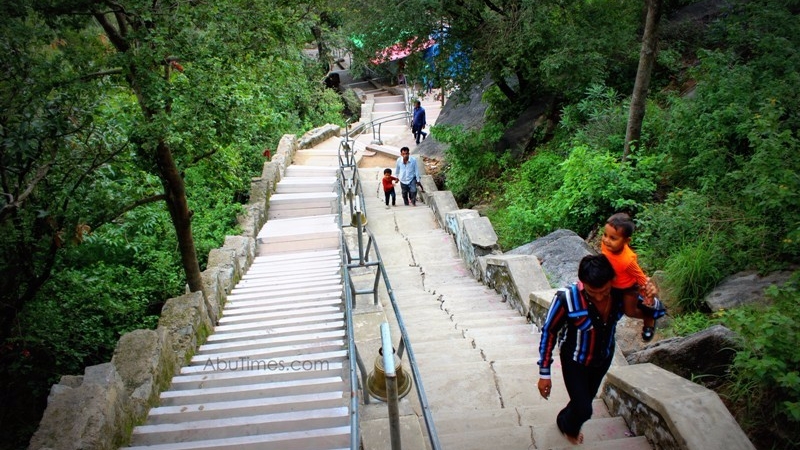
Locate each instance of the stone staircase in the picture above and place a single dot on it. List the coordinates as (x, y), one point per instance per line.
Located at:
(275, 372)
(476, 355)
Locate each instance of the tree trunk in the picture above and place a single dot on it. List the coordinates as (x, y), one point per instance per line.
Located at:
(168, 173)
(178, 207)
(647, 57)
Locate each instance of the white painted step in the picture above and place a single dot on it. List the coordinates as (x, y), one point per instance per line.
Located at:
(314, 362)
(295, 185)
(249, 407)
(242, 392)
(257, 309)
(298, 256)
(325, 439)
(273, 293)
(270, 353)
(286, 372)
(277, 323)
(295, 170)
(271, 341)
(291, 273)
(251, 285)
(276, 331)
(292, 421)
(280, 302)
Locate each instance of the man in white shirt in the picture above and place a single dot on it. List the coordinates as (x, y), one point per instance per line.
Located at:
(407, 170)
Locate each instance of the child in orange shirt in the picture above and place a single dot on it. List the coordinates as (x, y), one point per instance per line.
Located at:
(631, 283)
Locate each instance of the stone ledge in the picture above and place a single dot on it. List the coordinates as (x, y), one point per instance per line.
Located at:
(672, 412)
(515, 276)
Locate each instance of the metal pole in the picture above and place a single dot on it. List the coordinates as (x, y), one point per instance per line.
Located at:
(358, 215)
(391, 386)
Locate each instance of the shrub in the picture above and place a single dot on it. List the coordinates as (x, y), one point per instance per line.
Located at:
(765, 376)
(693, 271)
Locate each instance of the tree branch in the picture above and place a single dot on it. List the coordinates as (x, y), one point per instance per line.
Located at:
(113, 34)
(494, 7)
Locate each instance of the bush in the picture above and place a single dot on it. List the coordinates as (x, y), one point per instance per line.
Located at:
(693, 271)
(765, 376)
(473, 165)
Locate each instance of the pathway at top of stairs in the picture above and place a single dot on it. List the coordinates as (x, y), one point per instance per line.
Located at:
(275, 372)
(476, 355)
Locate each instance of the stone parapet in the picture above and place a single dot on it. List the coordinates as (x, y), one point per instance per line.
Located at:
(671, 411)
(515, 277)
(88, 412)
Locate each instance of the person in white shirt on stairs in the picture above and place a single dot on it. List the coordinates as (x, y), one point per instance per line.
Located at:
(407, 170)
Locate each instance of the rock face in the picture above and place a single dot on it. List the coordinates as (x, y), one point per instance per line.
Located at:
(743, 288)
(467, 112)
(708, 352)
(559, 253)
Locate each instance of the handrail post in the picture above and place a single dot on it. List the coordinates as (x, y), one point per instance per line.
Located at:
(391, 386)
(358, 215)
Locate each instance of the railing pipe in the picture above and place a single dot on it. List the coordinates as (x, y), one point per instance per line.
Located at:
(391, 386)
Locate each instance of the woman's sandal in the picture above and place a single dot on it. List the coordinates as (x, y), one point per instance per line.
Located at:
(648, 333)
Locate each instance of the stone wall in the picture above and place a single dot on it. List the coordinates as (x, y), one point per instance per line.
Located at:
(99, 409)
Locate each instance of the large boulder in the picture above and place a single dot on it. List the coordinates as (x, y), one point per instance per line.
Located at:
(708, 352)
(559, 254)
(743, 288)
(465, 110)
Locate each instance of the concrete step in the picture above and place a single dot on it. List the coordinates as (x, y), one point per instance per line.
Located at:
(594, 431)
(508, 438)
(232, 306)
(297, 228)
(261, 374)
(303, 200)
(296, 271)
(248, 391)
(464, 386)
(516, 381)
(254, 356)
(389, 99)
(447, 357)
(260, 317)
(499, 322)
(282, 212)
(457, 421)
(545, 414)
(628, 443)
(243, 408)
(329, 275)
(399, 106)
(325, 439)
(295, 170)
(522, 329)
(296, 185)
(487, 340)
(474, 305)
(246, 287)
(297, 257)
(474, 316)
(305, 361)
(278, 293)
(500, 353)
(278, 323)
(257, 309)
(292, 421)
(265, 342)
(333, 324)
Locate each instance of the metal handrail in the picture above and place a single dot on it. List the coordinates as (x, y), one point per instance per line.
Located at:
(352, 349)
(364, 261)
